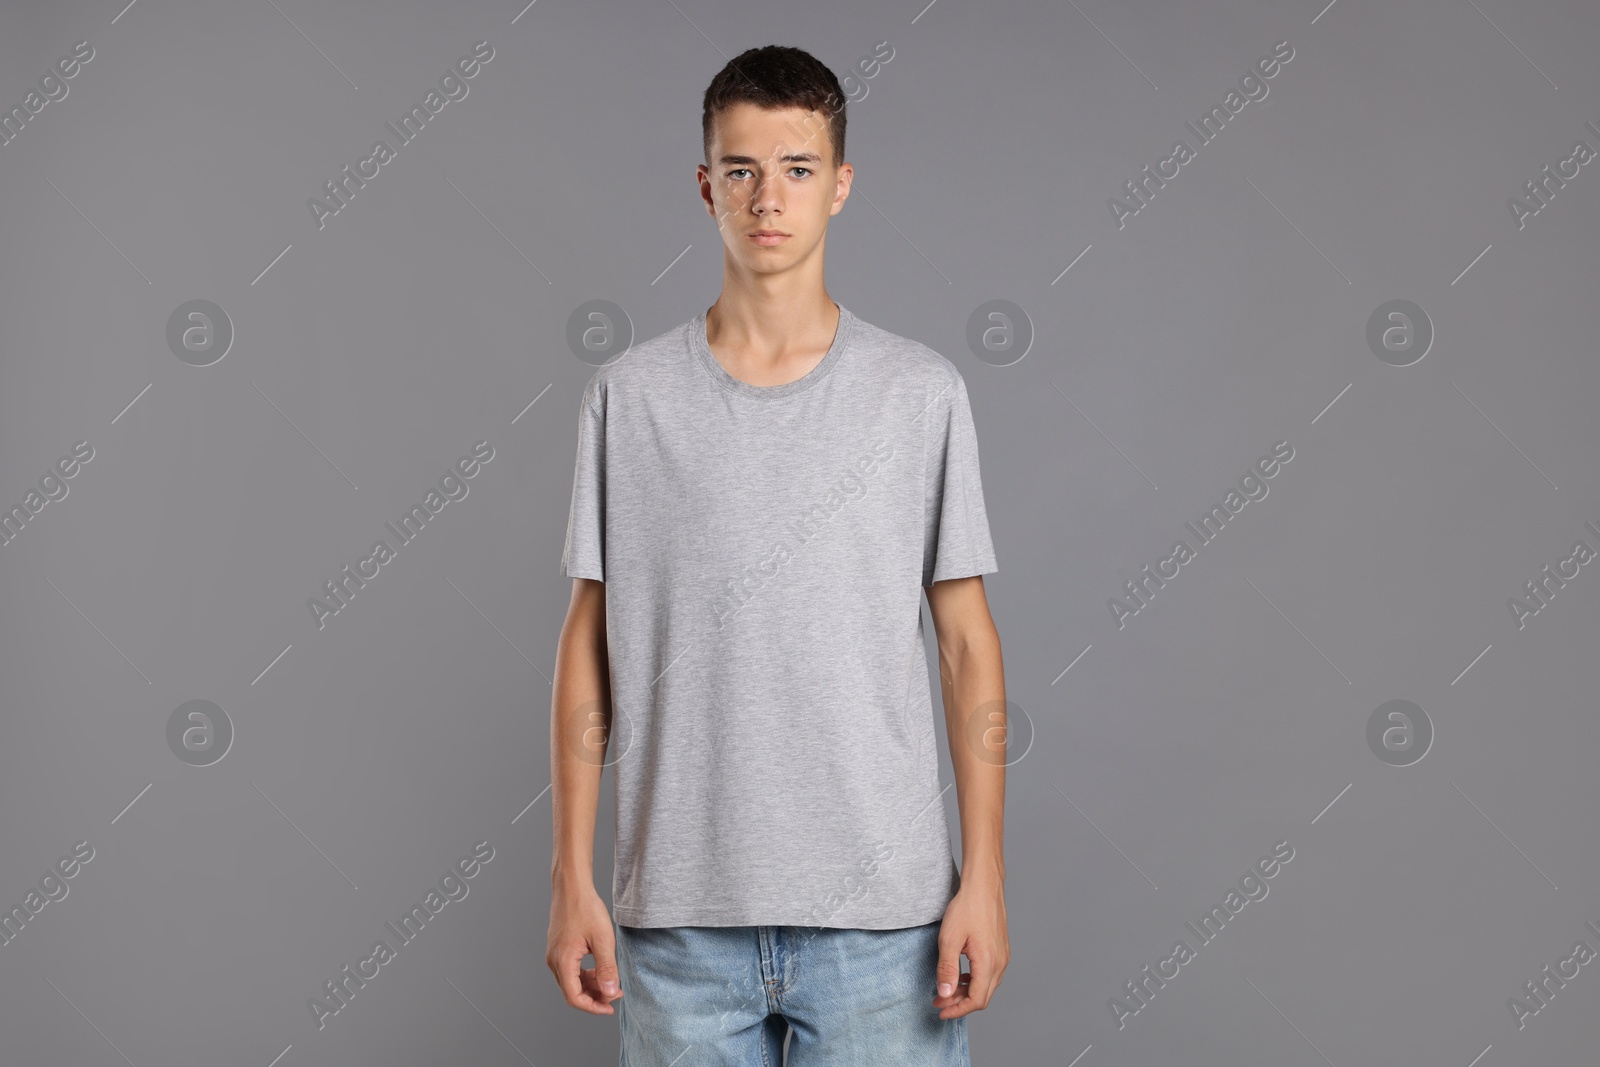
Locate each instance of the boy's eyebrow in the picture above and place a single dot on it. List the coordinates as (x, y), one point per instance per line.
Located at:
(792, 157)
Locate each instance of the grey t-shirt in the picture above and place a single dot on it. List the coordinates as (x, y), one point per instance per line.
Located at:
(764, 551)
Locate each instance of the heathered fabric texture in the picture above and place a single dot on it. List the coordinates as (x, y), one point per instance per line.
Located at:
(764, 551)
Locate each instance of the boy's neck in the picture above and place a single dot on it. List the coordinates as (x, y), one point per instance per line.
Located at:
(766, 341)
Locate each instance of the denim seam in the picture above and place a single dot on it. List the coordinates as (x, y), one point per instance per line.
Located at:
(793, 959)
(763, 944)
(768, 943)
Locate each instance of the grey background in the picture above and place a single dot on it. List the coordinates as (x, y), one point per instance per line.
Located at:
(429, 314)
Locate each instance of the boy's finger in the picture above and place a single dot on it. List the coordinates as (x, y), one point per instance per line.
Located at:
(605, 969)
(948, 972)
(578, 984)
(981, 987)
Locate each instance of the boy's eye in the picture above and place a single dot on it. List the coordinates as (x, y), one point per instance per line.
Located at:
(746, 170)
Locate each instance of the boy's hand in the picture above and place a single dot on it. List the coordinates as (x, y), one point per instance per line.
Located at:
(581, 926)
(974, 923)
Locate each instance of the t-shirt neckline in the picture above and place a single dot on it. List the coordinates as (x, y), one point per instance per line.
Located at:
(702, 349)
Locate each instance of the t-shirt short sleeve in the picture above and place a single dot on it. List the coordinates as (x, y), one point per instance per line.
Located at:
(956, 541)
(584, 553)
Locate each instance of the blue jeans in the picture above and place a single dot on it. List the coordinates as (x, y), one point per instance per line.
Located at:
(724, 996)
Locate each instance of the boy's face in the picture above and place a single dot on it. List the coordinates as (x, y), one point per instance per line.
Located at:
(772, 171)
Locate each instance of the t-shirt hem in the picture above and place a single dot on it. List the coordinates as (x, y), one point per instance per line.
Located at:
(584, 571)
(964, 570)
(649, 917)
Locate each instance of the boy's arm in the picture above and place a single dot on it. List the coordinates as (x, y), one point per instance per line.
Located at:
(972, 681)
(582, 691)
(580, 721)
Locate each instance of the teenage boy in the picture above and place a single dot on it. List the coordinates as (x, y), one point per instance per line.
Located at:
(761, 496)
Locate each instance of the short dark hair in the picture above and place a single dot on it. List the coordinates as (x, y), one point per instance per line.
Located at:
(774, 77)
